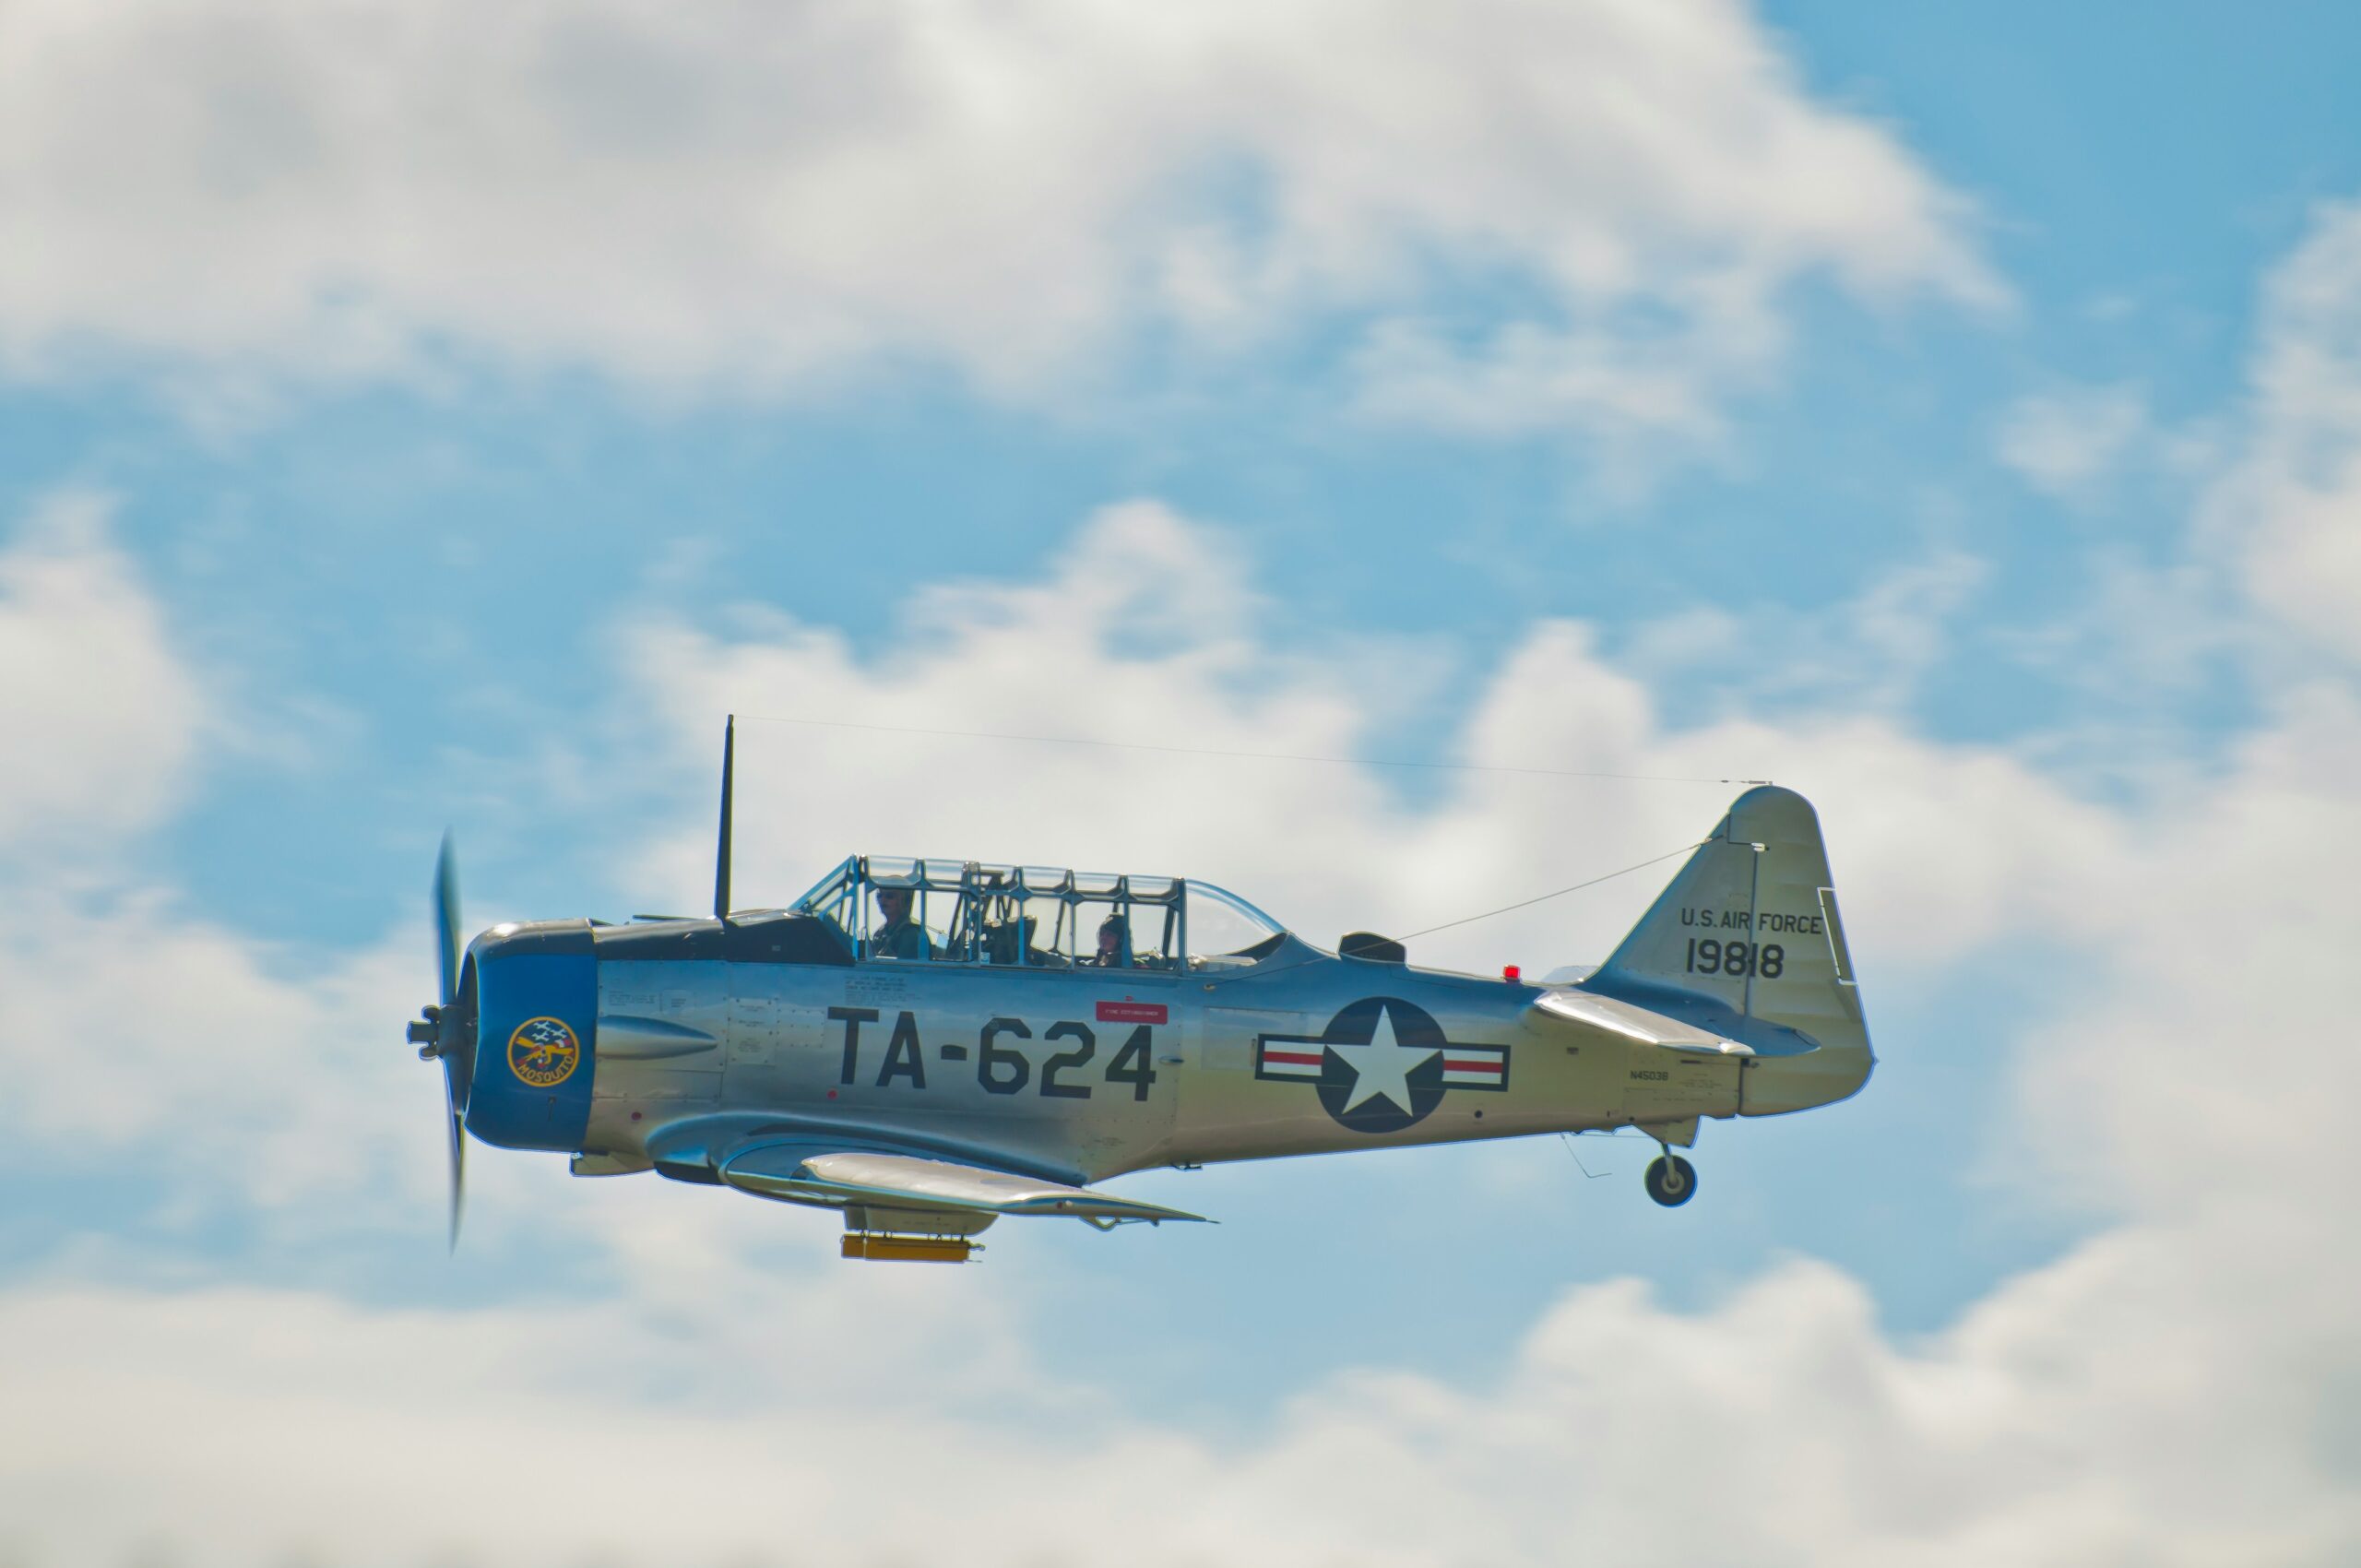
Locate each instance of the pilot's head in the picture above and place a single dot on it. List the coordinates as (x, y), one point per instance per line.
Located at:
(1111, 936)
(893, 903)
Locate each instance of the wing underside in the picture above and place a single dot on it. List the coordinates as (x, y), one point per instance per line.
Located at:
(881, 1180)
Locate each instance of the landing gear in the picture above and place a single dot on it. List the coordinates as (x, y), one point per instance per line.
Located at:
(1671, 1181)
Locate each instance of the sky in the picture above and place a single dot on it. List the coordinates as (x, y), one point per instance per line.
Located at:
(418, 416)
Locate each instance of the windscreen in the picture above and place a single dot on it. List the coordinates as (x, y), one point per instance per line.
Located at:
(1226, 932)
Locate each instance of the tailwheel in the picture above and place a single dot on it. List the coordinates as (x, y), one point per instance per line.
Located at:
(1671, 1181)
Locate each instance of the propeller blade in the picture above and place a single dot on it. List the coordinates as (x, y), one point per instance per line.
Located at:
(458, 1177)
(446, 919)
(447, 1031)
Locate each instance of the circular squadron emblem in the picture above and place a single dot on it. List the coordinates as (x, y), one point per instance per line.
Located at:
(543, 1051)
(1381, 1065)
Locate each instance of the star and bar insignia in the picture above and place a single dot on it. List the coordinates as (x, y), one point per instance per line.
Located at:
(1381, 1065)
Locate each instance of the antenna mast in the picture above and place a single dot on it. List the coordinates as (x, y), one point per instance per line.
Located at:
(721, 853)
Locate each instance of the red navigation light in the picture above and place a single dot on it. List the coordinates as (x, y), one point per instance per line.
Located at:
(1510, 973)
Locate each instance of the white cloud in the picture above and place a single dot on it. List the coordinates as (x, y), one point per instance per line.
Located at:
(2210, 932)
(101, 714)
(1866, 654)
(752, 197)
(2119, 1405)
(2290, 513)
(2138, 632)
(130, 1027)
(2069, 442)
(1526, 377)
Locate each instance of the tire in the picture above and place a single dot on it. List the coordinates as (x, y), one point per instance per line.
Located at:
(1671, 1181)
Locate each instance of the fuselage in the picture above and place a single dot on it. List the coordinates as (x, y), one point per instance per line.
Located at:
(662, 1044)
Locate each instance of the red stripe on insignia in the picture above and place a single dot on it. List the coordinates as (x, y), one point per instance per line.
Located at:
(1292, 1058)
(1133, 1013)
(1450, 1065)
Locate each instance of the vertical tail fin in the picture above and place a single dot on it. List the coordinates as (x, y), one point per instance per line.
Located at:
(1747, 940)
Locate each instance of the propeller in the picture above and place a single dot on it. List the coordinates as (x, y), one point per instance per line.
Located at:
(445, 1032)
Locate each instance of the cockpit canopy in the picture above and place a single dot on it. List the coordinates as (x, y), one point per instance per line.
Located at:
(899, 910)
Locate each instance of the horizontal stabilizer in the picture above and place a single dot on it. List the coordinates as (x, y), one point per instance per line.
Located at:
(803, 1173)
(1627, 1022)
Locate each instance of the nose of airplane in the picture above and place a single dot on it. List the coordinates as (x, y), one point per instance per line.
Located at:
(1776, 1084)
(537, 1002)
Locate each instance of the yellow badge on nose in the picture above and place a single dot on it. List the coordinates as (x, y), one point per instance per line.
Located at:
(543, 1051)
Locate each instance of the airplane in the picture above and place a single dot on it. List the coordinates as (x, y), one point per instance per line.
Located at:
(927, 1046)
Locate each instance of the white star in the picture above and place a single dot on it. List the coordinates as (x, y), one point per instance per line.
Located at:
(1381, 1068)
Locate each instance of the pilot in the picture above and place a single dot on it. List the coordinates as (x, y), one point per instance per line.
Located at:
(1114, 943)
(899, 936)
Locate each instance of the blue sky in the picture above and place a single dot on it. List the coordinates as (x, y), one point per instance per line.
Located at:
(409, 421)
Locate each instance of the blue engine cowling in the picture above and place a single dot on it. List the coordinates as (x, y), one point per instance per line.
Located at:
(536, 1022)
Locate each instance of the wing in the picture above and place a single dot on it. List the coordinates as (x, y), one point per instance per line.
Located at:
(835, 1178)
